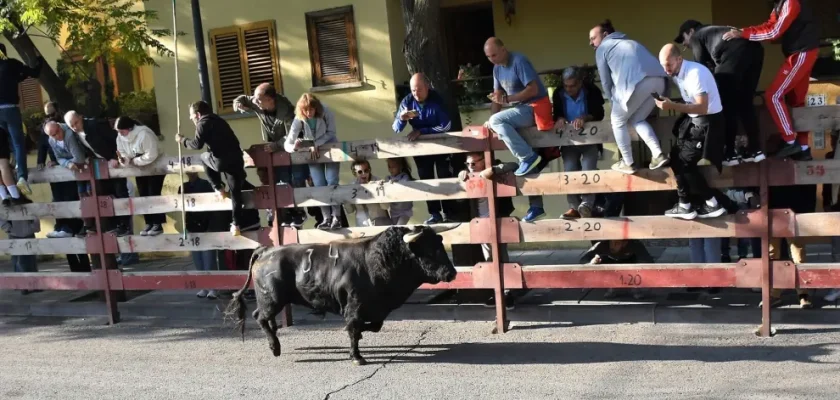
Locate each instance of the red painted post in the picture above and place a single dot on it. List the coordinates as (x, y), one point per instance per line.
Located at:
(110, 302)
(286, 319)
(497, 272)
(766, 233)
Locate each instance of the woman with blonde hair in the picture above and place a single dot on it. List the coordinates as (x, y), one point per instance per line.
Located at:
(313, 127)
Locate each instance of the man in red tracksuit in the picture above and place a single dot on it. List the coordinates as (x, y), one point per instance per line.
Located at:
(793, 21)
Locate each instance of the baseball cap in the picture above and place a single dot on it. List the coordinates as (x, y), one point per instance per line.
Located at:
(685, 27)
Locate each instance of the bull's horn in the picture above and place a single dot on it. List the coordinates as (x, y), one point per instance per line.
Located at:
(411, 237)
(440, 229)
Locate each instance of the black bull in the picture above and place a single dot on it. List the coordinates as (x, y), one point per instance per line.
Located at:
(362, 280)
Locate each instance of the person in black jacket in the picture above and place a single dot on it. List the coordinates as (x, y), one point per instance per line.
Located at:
(12, 73)
(224, 157)
(100, 141)
(199, 222)
(736, 65)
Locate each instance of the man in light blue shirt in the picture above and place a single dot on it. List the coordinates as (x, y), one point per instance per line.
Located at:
(514, 81)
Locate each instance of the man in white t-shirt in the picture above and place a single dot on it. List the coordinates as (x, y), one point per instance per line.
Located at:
(700, 134)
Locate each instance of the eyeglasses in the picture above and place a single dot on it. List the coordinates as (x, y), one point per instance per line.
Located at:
(362, 171)
(474, 163)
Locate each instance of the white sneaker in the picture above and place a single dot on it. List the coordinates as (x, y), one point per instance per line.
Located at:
(202, 293)
(23, 186)
(61, 234)
(53, 234)
(212, 294)
(832, 296)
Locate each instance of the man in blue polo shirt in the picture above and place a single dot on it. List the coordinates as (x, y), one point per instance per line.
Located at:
(515, 83)
(424, 109)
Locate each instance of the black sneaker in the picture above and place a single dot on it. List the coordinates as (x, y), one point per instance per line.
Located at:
(21, 201)
(754, 156)
(707, 211)
(154, 230)
(336, 223)
(732, 161)
(789, 150)
(7, 202)
(145, 231)
(325, 224)
(682, 213)
(286, 217)
(299, 219)
(805, 155)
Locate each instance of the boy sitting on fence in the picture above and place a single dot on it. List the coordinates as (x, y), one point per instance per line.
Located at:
(367, 214)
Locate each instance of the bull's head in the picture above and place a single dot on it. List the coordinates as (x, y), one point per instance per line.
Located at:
(427, 245)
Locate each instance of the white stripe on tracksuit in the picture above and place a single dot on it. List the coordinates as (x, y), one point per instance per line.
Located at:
(786, 126)
(779, 23)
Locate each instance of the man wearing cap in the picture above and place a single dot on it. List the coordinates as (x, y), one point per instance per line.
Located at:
(737, 68)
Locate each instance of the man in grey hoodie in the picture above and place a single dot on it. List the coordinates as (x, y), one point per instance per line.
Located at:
(276, 114)
(629, 75)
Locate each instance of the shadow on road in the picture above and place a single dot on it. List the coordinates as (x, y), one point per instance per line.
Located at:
(571, 353)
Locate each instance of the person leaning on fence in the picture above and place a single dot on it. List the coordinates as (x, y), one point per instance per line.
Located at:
(137, 146)
(224, 157)
(371, 214)
(399, 171)
(100, 141)
(699, 134)
(736, 65)
(276, 114)
(578, 101)
(629, 74)
(794, 24)
(199, 222)
(425, 110)
(313, 127)
(9, 192)
(70, 154)
(516, 83)
(12, 73)
(23, 229)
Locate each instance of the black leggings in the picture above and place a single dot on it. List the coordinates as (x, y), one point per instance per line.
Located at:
(151, 186)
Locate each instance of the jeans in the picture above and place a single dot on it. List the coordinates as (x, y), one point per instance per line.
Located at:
(639, 107)
(580, 158)
(426, 167)
(11, 120)
(205, 260)
(27, 263)
(326, 174)
(704, 250)
(506, 122)
(234, 171)
(151, 186)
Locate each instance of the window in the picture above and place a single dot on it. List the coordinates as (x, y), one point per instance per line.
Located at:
(332, 47)
(30, 94)
(244, 56)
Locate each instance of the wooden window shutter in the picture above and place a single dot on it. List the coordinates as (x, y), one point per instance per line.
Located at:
(30, 94)
(332, 46)
(244, 56)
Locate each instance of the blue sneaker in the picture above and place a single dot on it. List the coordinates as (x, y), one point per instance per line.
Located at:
(434, 219)
(528, 165)
(534, 213)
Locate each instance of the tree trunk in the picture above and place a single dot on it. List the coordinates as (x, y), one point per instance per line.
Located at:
(48, 78)
(423, 51)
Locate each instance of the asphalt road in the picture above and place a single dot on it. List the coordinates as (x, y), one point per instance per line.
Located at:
(83, 359)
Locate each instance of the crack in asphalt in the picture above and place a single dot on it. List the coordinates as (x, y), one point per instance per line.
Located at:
(383, 365)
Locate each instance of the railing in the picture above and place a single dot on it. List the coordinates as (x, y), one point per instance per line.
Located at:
(752, 273)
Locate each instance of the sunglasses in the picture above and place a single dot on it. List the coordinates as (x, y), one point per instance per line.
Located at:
(362, 171)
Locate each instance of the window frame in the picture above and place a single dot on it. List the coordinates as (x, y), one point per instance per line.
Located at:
(239, 30)
(354, 77)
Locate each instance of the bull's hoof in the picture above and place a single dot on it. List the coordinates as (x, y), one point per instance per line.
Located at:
(359, 361)
(275, 350)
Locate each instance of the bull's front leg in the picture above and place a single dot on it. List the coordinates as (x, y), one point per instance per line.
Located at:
(374, 326)
(354, 330)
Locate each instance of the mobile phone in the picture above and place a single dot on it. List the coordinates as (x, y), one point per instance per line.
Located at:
(657, 96)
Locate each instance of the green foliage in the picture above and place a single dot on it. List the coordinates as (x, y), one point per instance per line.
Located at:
(553, 80)
(117, 29)
(32, 119)
(141, 106)
(836, 44)
(472, 93)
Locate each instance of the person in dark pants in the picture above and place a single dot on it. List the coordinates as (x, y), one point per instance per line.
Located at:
(137, 146)
(12, 73)
(224, 157)
(737, 68)
(425, 111)
(698, 132)
(100, 141)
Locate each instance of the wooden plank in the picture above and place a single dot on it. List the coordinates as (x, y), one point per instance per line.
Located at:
(394, 146)
(164, 165)
(645, 227)
(17, 247)
(433, 189)
(460, 234)
(629, 276)
(817, 224)
(816, 119)
(51, 281)
(193, 242)
(818, 276)
(187, 280)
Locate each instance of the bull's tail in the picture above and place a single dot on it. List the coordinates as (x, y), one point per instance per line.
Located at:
(237, 308)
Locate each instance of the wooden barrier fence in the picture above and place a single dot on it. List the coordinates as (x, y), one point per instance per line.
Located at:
(753, 273)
